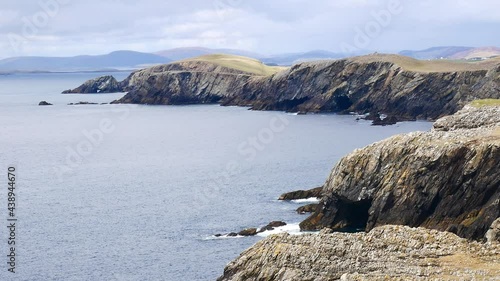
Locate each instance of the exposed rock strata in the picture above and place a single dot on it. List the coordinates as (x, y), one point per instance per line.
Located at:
(446, 179)
(385, 253)
(368, 86)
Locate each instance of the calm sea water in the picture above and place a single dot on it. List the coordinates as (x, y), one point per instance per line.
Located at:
(120, 192)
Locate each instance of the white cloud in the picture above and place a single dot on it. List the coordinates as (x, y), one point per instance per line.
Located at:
(277, 26)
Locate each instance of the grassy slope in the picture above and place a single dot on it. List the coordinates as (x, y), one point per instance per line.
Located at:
(240, 63)
(430, 65)
(486, 102)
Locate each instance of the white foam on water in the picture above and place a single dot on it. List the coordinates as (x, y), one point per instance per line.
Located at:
(225, 236)
(293, 229)
(307, 200)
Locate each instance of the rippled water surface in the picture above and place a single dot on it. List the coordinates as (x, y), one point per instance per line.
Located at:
(120, 192)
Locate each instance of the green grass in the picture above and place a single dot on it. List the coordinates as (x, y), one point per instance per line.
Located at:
(240, 63)
(486, 102)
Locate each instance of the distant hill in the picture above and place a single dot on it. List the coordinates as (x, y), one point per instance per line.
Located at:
(292, 58)
(240, 63)
(279, 59)
(114, 60)
(191, 52)
(452, 52)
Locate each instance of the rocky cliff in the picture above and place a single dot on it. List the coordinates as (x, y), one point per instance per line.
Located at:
(399, 86)
(191, 82)
(103, 84)
(446, 179)
(393, 85)
(384, 253)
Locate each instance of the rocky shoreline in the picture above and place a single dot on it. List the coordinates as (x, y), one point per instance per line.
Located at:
(446, 180)
(385, 253)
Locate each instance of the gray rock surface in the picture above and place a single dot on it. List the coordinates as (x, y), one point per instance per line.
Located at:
(493, 234)
(385, 253)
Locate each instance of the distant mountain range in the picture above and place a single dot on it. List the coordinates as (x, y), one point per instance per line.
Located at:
(453, 52)
(113, 61)
(127, 60)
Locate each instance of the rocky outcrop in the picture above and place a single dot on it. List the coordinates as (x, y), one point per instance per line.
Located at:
(446, 179)
(493, 234)
(385, 253)
(254, 231)
(44, 103)
(272, 225)
(103, 84)
(183, 83)
(302, 194)
(309, 208)
(401, 87)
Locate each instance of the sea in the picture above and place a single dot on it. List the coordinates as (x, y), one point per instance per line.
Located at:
(137, 192)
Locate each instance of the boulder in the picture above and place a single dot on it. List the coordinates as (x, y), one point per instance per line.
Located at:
(248, 232)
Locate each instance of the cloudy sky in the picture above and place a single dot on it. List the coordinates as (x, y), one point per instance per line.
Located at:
(73, 27)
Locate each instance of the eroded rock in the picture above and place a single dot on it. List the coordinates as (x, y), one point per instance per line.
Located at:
(385, 253)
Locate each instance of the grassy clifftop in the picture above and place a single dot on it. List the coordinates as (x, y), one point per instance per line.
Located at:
(240, 63)
(427, 66)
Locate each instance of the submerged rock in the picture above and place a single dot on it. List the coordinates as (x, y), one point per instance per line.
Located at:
(385, 253)
(446, 179)
(272, 225)
(302, 194)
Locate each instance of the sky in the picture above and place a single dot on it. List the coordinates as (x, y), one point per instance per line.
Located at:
(75, 27)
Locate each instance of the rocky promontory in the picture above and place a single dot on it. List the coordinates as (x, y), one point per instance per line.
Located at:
(103, 84)
(401, 87)
(446, 179)
(413, 199)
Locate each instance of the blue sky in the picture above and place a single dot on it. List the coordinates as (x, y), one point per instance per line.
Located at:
(72, 27)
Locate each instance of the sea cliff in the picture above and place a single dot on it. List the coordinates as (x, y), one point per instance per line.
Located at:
(401, 87)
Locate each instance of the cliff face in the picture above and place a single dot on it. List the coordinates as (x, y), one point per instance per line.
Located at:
(183, 83)
(368, 86)
(446, 179)
(385, 253)
(395, 85)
